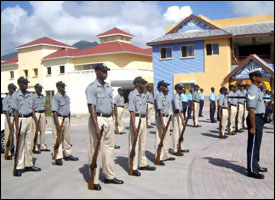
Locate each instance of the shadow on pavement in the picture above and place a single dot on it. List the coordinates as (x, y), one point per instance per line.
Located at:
(123, 162)
(85, 173)
(214, 131)
(150, 156)
(227, 164)
(210, 135)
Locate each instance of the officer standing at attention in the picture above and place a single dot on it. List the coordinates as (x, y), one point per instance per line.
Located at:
(178, 120)
(255, 123)
(190, 103)
(99, 96)
(61, 109)
(223, 112)
(163, 106)
(232, 103)
(212, 100)
(240, 108)
(119, 110)
(150, 104)
(39, 103)
(201, 102)
(218, 98)
(196, 102)
(137, 109)
(8, 111)
(184, 102)
(23, 112)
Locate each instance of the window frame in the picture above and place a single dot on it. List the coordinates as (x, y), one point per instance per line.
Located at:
(26, 73)
(165, 47)
(212, 49)
(60, 69)
(49, 74)
(186, 45)
(11, 75)
(34, 71)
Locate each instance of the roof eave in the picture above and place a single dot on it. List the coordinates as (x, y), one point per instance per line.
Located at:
(5, 65)
(43, 44)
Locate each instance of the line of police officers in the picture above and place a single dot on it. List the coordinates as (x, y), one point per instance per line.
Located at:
(22, 106)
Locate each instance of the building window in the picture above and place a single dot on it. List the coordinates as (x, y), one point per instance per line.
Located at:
(166, 53)
(26, 72)
(212, 49)
(86, 67)
(49, 71)
(122, 38)
(112, 38)
(12, 74)
(105, 39)
(49, 94)
(62, 69)
(35, 71)
(187, 51)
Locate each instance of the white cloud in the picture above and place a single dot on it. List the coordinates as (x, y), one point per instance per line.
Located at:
(175, 14)
(252, 8)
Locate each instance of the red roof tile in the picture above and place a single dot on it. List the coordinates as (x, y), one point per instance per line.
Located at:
(112, 47)
(114, 31)
(12, 60)
(44, 40)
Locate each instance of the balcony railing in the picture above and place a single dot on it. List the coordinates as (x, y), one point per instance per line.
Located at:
(236, 60)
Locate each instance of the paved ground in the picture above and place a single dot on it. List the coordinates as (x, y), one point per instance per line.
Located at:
(214, 168)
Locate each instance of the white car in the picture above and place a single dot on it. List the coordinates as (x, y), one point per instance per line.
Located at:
(3, 118)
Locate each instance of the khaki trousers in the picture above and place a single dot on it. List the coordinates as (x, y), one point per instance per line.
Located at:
(140, 159)
(233, 116)
(25, 144)
(65, 143)
(42, 129)
(105, 157)
(177, 128)
(7, 131)
(120, 118)
(240, 116)
(223, 121)
(165, 149)
(150, 112)
(196, 113)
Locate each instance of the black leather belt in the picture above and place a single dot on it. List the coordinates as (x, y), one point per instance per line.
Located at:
(234, 105)
(142, 116)
(103, 115)
(224, 108)
(196, 101)
(40, 111)
(25, 116)
(62, 116)
(241, 103)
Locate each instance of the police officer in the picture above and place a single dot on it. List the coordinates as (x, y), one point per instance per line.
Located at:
(178, 119)
(150, 104)
(232, 103)
(8, 111)
(137, 109)
(39, 103)
(190, 103)
(240, 108)
(223, 112)
(212, 100)
(184, 102)
(119, 110)
(99, 96)
(23, 113)
(163, 105)
(218, 97)
(244, 93)
(196, 103)
(255, 123)
(61, 110)
(201, 102)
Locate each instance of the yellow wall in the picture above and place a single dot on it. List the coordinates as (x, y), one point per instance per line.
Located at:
(216, 68)
(5, 77)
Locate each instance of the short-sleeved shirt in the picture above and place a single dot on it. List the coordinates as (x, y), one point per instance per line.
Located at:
(218, 97)
(39, 102)
(239, 94)
(176, 103)
(101, 97)
(189, 97)
(201, 96)
(223, 101)
(137, 102)
(119, 100)
(163, 103)
(232, 101)
(7, 104)
(196, 97)
(212, 96)
(61, 104)
(149, 97)
(22, 103)
(244, 92)
(255, 100)
(184, 97)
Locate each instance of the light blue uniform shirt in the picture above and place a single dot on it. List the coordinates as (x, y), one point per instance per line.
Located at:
(189, 97)
(212, 97)
(218, 97)
(183, 98)
(201, 96)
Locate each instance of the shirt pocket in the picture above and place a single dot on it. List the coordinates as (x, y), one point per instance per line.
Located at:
(62, 102)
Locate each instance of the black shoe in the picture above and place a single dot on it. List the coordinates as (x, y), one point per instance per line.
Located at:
(149, 168)
(234, 133)
(97, 187)
(9, 158)
(113, 181)
(262, 169)
(117, 147)
(201, 116)
(32, 169)
(170, 159)
(59, 162)
(72, 158)
(45, 150)
(136, 173)
(255, 175)
(18, 172)
(37, 152)
(213, 121)
(161, 163)
(176, 154)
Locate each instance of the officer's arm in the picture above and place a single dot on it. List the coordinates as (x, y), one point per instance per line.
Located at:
(92, 111)
(56, 122)
(34, 117)
(161, 119)
(133, 120)
(252, 120)
(16, 118)
(8, 117)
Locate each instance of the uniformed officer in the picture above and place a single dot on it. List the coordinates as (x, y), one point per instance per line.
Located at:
(190, 103)
(178, 119)
(212, 100)
(150, 104)
(232, 103)
(196, 107)
(223, 112)
(184, 102)
(201, 102)
(8, 111)
(99, 96)
(255, 122)
(246, 87)
(137, 109)
(119, 110)
(23, 112)
(163, 105)
(240, 108)
(158, 92)
(218, 97)
(39, 103)
(61, 110)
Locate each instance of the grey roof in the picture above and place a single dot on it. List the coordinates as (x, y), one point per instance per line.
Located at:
(255, 28)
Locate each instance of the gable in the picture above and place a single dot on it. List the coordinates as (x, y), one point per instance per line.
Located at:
(193, 24)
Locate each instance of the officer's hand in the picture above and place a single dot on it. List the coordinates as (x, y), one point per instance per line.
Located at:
(10, 127)
(163, 129)
(59, 130)
(253, 130)
(98, 134)
(183, 123)
(116, 123)
(135, 133)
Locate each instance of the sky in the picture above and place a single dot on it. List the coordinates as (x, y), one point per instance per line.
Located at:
(70, 22)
